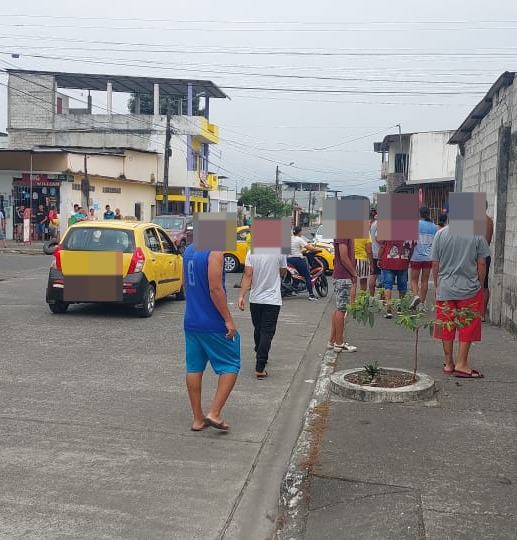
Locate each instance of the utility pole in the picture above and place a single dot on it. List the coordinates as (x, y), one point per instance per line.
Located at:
(277, 182)
(85, 186)
(166, 155)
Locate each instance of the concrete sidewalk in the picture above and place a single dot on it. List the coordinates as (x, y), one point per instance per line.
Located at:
(444, 469)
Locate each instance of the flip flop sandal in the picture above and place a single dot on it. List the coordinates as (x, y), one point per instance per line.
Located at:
(198, 429)
(217, 425)
(448, 371)
(474, 374)
(261, 375)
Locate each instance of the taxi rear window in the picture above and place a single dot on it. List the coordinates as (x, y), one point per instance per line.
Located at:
(99, 239)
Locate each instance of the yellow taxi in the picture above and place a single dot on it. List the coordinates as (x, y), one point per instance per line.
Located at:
(234, 260)
(125, 262)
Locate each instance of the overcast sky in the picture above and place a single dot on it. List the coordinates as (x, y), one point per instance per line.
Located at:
(314, 83)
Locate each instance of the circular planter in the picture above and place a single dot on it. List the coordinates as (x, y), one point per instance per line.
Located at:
(422, 389)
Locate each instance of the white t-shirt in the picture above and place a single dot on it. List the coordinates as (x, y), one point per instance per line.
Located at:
(265, 284)
(297, 244)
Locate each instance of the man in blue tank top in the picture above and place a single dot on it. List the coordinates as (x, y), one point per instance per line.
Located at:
(210, 334)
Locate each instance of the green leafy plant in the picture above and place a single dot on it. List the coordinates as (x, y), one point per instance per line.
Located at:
(372, 370)
(365, 307)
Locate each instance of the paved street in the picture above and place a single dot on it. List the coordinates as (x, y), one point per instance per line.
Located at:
(95, 420)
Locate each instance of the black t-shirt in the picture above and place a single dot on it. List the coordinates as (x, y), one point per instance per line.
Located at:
(40, 215)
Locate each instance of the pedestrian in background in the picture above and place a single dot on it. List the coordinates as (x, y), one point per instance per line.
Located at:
(262, 274)
(40, 222)
(394, 257)
(118, 215)
(108, 214)
(363, 262)
(210, 334)
(91, 215)
(459, 269)
(421, 263)
(298, 260)
(2, 230)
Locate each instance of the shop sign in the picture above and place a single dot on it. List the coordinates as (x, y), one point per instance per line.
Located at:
(38, 180)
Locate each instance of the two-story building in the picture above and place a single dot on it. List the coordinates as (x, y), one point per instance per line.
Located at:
(422, 163)
(117, 150)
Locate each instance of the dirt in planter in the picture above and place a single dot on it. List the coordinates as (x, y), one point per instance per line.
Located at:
(386, 378)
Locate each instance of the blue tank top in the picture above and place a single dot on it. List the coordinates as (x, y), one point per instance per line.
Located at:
(200, 313)
(426, 232)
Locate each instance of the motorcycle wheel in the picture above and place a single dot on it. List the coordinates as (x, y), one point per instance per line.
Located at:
(322, 286)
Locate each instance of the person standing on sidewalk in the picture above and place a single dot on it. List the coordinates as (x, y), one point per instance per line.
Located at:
(297, 259)
(2, 230)
(363, 263)
(345, 276)
(394, 256)
(210, 334)
(459, 269)
(421, 264)
(263, 274)
(375, 278)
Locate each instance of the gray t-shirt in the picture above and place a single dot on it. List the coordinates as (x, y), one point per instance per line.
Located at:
(457, 257)
(265, 284)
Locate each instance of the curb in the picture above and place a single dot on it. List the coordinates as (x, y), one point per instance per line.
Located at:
(423, 389)
(294, 490)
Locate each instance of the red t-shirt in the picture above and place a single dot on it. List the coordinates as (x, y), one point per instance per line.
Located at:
(340, 272)
(396, 254)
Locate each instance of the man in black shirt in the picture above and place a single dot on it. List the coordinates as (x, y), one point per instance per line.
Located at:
(40, 222)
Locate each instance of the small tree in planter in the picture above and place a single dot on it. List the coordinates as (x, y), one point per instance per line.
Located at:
(365, 308)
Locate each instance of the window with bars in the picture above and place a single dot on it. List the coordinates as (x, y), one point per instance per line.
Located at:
(111, 190)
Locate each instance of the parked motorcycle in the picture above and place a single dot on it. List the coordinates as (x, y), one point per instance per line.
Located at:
(294, 283)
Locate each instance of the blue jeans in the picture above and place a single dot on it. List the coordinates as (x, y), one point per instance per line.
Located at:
(389, 279)
(303, 269)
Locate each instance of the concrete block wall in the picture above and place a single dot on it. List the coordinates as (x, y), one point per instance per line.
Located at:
(480, 175)
(31, 103)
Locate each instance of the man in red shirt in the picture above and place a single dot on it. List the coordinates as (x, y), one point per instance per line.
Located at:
(344, 276)
(394, 257)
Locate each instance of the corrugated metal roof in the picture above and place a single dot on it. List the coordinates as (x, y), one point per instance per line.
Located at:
(125, 83)
(464, 132)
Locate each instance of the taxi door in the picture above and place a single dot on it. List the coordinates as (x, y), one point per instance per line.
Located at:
(173, 264)
(156, 270)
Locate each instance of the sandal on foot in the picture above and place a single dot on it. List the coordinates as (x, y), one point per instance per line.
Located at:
(198, 429)
(448, 371)
(474, 374)
(217, 425)
(261, 374)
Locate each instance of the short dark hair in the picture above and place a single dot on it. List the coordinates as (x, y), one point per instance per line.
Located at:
(297, 230)
(442, 219)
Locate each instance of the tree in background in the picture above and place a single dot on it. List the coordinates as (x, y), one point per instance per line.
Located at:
(265, 201)
(178, 105)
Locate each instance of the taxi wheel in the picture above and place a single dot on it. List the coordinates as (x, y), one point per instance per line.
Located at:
(58, 307)
(148, 302)
(180, 295)
(231, 264)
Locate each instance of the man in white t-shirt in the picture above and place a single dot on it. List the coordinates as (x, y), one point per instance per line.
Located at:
(263, 274)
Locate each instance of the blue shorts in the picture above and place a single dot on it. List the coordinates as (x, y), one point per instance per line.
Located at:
(389, 276)
(223, 354)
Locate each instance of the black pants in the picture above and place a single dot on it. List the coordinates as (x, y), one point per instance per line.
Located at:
(264, 318)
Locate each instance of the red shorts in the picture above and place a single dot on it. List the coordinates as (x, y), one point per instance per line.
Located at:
(418, 265)
(471, 332)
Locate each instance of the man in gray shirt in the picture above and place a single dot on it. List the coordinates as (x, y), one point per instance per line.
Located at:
(459, 268)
